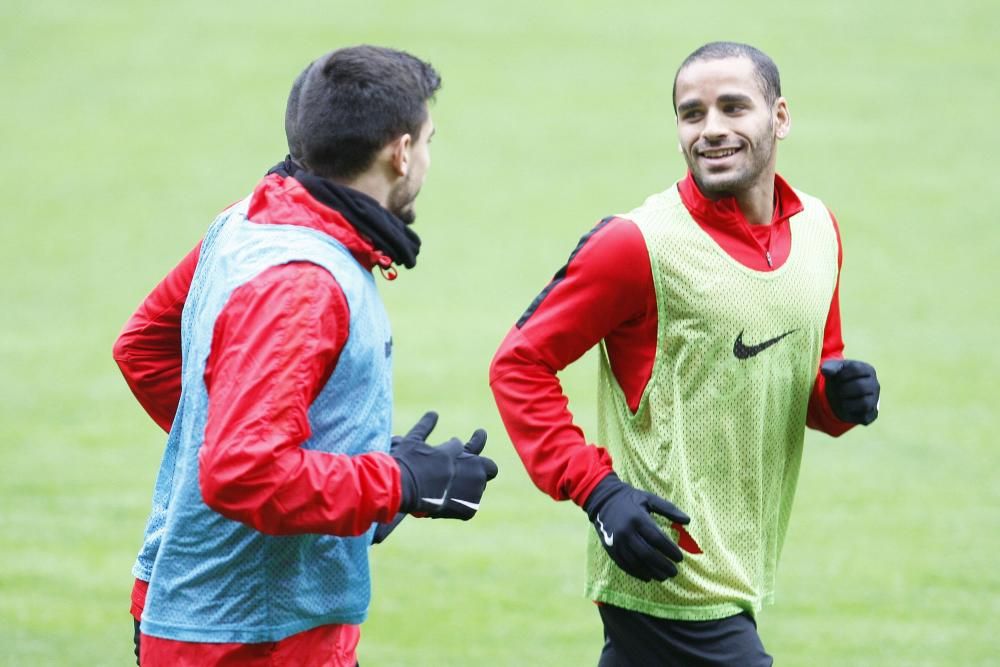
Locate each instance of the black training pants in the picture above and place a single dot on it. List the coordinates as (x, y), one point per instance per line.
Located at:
(633, 639)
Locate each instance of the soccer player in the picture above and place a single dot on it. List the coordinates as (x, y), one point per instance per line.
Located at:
(266, 353)
(715, 304)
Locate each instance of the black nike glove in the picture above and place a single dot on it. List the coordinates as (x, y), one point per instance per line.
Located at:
(852, 389)
(444, 482)
(621, 516)
(382, 530)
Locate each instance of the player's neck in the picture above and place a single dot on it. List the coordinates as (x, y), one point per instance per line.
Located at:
(757, 202)
(372, 184)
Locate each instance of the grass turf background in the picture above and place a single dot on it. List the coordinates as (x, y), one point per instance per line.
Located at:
(126, 126)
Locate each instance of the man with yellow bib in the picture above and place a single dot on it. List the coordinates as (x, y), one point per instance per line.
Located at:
(715, 304)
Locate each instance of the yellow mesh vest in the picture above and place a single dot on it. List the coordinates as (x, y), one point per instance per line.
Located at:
(718, 435)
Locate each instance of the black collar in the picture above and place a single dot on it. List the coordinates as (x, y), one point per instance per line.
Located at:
(386, 232)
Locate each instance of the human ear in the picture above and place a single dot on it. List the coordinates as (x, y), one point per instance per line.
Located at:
(400, 154)
(782, 118)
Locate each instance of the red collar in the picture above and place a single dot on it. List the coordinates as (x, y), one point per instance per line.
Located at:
(283, 201)
(725, 211)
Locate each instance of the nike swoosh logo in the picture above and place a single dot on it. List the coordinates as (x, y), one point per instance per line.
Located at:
(741, 351)
(440, 501)
(608, 539)
(472, 506)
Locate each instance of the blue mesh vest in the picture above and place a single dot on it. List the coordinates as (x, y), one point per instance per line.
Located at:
(217, 580)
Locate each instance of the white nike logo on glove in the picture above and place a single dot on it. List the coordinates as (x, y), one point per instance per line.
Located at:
(608, 539)
(440, 501)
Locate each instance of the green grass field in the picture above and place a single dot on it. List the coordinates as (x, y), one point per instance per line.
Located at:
(126, 126)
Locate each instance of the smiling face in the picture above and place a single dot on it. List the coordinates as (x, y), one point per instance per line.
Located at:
(726, 128)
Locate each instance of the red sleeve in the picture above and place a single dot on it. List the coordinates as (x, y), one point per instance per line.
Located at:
(820, 416)
(148, 350)
(275, 344)
(586, 300)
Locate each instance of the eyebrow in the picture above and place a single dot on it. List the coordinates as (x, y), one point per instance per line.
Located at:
(736, 97)
(728, 98)
(687, 106)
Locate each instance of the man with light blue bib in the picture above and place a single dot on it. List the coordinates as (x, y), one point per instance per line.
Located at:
(267, 356)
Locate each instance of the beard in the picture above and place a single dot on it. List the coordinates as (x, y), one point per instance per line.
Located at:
(759, 153)
(401, 199)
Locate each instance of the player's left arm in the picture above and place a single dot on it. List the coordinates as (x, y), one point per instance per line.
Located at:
(148, 349)
(846, 391)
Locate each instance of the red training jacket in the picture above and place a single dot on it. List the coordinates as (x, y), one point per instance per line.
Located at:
(275, 344)
(605, 292)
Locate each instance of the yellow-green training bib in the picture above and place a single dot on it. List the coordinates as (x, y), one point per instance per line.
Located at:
(719, 429)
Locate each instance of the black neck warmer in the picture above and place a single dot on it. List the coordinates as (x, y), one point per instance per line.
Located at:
(386, 232)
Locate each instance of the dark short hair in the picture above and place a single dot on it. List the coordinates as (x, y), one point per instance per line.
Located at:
(345, 106)
(764, 67)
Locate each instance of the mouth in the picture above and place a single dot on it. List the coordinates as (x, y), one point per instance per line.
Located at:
(718, 154)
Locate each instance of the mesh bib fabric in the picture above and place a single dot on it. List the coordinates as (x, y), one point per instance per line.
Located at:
(217, 580)
(719, 429)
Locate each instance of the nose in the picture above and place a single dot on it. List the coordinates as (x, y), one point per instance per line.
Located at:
(714, 128)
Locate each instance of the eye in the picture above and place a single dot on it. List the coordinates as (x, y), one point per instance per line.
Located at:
(692, 116)
(734, 108)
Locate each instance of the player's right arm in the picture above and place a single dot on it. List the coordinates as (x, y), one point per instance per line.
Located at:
(605, 284)
(605, 291)
(275, 345)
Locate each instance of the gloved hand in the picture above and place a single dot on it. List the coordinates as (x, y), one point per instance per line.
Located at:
(852, 389)
(382, 530)
(443, 482)
(621, 516)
